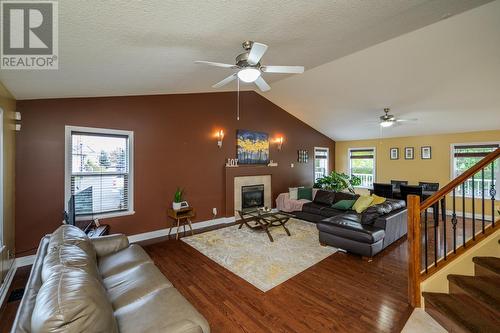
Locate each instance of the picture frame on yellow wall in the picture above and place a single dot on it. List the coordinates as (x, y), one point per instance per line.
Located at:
(409, 153)
(394, 153)
(426, 152)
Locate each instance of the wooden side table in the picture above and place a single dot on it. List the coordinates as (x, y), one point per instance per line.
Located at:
(182, 216)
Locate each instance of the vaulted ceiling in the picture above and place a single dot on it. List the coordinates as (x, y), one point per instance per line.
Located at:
(110, 48)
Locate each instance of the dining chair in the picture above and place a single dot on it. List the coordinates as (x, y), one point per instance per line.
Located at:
(426, 186)
(410, 189)
(432, 187)
(383, 190)
(397, 183)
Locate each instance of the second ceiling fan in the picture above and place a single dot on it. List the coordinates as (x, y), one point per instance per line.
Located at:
(249, 67)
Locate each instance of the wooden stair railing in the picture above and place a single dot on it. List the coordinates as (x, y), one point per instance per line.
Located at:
(419, 246)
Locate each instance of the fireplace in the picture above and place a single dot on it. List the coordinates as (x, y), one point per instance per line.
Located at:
(252, 196)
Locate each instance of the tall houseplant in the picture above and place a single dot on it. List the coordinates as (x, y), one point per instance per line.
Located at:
(337, 182)
(177, 199)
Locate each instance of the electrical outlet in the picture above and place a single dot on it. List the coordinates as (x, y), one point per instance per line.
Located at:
(214, 211)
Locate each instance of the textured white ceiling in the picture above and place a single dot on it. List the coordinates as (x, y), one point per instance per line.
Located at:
(129, 47)
(446, 74)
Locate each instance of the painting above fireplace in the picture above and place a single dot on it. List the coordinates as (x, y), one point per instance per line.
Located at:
(253, 147)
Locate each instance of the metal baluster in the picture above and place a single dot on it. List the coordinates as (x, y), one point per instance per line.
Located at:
(425, 240)
(443, 200)
(454, 224)
(493, 193)
(463, 214)
(473, 211)
(435, 237)
(482, 198)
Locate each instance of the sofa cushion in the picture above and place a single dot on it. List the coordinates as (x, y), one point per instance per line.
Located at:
(72, 301)
(348, 227)
(120, 261)
(373, 212)
(344, 204)
(310, 217)
(162, 311)
(344, 196)
(362, 203)
(68, 256)
(330, 211)
(304, 193)
(313, 208)
(324, 197)
(377, 200)
(68, 234)
(135, 283)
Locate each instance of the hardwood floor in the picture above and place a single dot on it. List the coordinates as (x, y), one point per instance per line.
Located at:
(342, 293)
(8, 309)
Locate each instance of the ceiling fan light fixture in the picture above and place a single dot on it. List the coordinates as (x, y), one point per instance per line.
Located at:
(386, 123)
(248, 74)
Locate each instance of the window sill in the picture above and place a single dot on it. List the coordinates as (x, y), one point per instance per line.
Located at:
(109, 215)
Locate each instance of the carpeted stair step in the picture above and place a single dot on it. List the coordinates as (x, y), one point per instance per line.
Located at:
(487, 266)
(485, 291)
(456, 314)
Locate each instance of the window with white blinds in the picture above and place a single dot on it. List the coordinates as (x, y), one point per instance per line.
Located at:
(465, 156)
(320, 162)
(99, 171)
(362, 165)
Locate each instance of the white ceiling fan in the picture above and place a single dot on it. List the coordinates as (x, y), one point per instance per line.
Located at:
(249, 67)
(388, 120)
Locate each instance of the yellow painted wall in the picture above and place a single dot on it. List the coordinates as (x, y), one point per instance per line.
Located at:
(437, 169)
(8, 105)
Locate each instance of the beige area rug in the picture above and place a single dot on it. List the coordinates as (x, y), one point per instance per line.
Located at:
(250, 255)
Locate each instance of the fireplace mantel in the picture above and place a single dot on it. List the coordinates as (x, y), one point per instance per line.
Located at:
(242, 171)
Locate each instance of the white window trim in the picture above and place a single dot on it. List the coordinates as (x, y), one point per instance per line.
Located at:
(374, 163)
(327, 161)
(452, 163)
(68, 165)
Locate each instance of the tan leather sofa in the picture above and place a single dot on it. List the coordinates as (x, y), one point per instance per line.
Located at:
(104, 284)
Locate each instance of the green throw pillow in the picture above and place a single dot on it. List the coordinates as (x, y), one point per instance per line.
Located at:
(362, 203)
(305, 193)
(344, 204)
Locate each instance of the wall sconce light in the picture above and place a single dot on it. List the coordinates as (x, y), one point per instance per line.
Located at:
(279, 141)
(220, 138)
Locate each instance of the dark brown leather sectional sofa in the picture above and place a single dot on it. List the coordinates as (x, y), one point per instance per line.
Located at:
(365, 234)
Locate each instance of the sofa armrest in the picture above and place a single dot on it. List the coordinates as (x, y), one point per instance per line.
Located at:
(395, 225)
(105, 245)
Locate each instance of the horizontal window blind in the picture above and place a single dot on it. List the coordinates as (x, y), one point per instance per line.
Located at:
(361, 153)
(480, 150)
(320, 153)
(100, 173)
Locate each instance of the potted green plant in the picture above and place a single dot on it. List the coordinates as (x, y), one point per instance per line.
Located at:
(337, 182)
(176, 205)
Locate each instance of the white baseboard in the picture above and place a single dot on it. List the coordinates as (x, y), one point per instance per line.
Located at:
(4, 288)
(164, 232)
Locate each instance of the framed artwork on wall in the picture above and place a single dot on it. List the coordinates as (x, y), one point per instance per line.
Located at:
(409, 153)
(253, 147)
(302, 156)
(394, 154)
(425, 152)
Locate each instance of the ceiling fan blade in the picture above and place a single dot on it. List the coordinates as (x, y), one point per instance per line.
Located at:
(406, 120)
(283, 69)
(216, 64)
(256, 53)
(262, 84)
(225, 81)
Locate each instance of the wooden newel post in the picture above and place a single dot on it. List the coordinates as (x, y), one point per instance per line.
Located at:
(414, 256)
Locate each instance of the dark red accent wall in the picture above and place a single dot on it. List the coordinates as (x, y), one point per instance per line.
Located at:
(174, 146)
